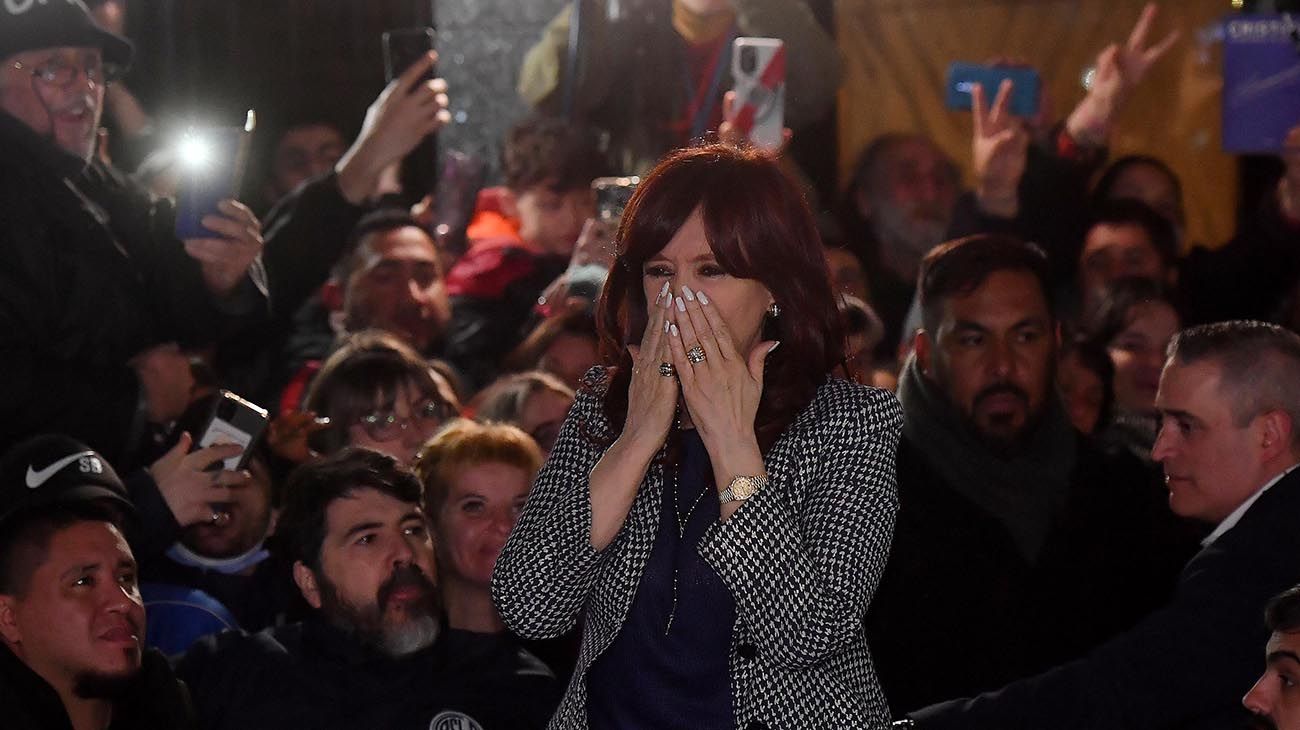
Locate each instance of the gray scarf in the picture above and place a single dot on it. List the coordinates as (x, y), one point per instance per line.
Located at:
(1025, 490)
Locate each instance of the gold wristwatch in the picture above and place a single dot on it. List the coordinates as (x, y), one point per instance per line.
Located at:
(742, 488)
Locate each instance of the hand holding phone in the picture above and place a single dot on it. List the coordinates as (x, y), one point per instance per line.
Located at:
(193, 492)
(404, 113)
(407, 49)
(212, 162)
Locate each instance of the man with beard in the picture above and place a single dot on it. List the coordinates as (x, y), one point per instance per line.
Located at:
(898, 206)
(373, 653)
(71, 617)
(1010, 523)
(1229, 403)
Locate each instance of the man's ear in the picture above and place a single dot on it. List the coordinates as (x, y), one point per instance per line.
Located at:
(924, 349)
(1276, 433)
(306, 580)
(9, 629)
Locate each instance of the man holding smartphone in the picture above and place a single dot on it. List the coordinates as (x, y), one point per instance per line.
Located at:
(94, 288)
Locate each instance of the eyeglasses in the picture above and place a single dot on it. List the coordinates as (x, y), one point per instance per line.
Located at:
(61, 74)
(386, 426)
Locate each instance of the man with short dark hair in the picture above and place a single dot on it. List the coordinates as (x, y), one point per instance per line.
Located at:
(374, 653)
(1230, 404)
(1011, 524)
(1125, 238)
(521, 239)
(307, 149)
(392, 279)
(71, 618)
(1275, 698)
(389, 278)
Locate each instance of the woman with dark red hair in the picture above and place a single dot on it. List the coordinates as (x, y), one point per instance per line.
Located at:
(718, 508)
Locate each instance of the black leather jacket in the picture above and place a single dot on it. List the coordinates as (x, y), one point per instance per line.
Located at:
(90, 276)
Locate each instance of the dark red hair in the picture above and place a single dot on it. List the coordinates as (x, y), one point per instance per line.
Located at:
(759, 227)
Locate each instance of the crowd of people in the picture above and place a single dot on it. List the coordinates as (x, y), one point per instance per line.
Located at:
(1010, 454)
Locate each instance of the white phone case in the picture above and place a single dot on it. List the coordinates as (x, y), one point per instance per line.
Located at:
(760, 90)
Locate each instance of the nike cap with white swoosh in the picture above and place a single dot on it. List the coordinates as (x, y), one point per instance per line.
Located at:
(54, 470)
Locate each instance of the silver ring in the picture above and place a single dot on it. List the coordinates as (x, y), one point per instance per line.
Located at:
(696, 355)
(667, 370)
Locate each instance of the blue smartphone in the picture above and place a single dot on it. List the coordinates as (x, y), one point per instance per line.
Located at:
(211, 163)
(1024, 93)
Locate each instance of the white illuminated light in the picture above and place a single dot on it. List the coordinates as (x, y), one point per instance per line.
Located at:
(1088, 77)
(194, 152)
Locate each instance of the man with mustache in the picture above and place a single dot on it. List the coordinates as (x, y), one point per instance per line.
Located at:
(71, 617)
(374, 652)
(1009, 519)
(1229, 404)
(95, 289)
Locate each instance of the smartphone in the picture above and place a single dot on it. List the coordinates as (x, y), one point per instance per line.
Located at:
(612, 195)
(405, 46)
(758, 67)
(962, 77)
(233, 420)
(211, 163)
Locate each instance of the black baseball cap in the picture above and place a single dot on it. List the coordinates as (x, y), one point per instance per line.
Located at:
(50, 470)
(26, 25)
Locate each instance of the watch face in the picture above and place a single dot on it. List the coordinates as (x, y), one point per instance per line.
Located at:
(742, 487)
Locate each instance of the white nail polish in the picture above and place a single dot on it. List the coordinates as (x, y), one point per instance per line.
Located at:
(681, 306)
(666, 327)
(704, 299)
(674, 328)
(663, 291)
(668, 302)
(690, 295)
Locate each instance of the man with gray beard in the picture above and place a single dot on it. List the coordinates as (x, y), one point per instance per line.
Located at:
(898, 206)
(374, 652)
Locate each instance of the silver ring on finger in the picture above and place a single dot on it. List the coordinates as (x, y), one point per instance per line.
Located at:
(696, 355)
(667, 370)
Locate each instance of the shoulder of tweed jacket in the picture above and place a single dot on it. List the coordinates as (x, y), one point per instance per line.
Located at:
(802, 557)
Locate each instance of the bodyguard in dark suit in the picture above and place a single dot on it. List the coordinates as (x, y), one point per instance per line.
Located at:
(1229, 442)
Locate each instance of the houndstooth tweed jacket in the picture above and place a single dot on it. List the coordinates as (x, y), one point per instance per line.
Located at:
(802, 558)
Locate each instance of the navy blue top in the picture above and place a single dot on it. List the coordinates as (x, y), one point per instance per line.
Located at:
(653, 675)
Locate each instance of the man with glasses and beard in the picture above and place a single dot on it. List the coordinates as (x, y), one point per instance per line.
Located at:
(1011, 525)
(71, 618)
(374, 652)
